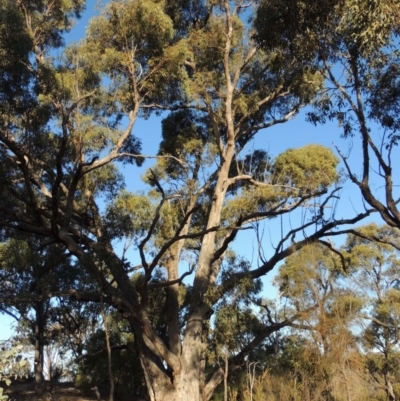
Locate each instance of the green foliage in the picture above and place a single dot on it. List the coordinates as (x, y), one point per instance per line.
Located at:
(15, 48)
(10, 362)
(187, 14)
(129, 214)
(290, 24)
(294, 173)
(311, 279)
(385, 97)
(7, 356)
(374, 265)
(180, 131)
(129, 41)
(311, 168)
(366, 25)
(359, 35)
(127, 372)
(369, 24)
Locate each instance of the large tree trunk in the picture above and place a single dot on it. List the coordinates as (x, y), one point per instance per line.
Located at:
(187, 382)
(184, 387)
(166, 384)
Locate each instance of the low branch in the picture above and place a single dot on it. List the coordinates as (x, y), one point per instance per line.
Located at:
(164, 284)
(9, 313)
(152, 226)
(251, 131)
(140, 156)
(172, 108)
(177, 238)
(379, 322)
(114, 348)
(251, 180)
(282, 253)
(334, 250)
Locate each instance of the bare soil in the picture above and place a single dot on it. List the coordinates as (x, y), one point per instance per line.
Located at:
(25, 391)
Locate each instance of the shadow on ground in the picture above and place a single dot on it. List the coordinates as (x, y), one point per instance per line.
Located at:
(25, 391)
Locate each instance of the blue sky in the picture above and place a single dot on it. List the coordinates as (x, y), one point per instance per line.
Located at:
(295, 133)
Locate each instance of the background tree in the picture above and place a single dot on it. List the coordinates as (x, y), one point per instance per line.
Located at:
(345, 348)
(29, 274)
(315, 278)
(33, 274)
(127, 372)
(375, 268)
(354, 45)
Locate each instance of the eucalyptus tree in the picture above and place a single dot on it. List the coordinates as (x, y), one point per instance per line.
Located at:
(33, 276)
(60, 179)
(315, 279)
(374, 268)
(354, 45)
(91, 368)
(28, 275)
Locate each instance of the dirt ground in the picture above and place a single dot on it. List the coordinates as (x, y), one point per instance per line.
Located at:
(56, 392)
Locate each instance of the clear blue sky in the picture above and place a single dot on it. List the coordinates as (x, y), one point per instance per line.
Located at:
(293, 134)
